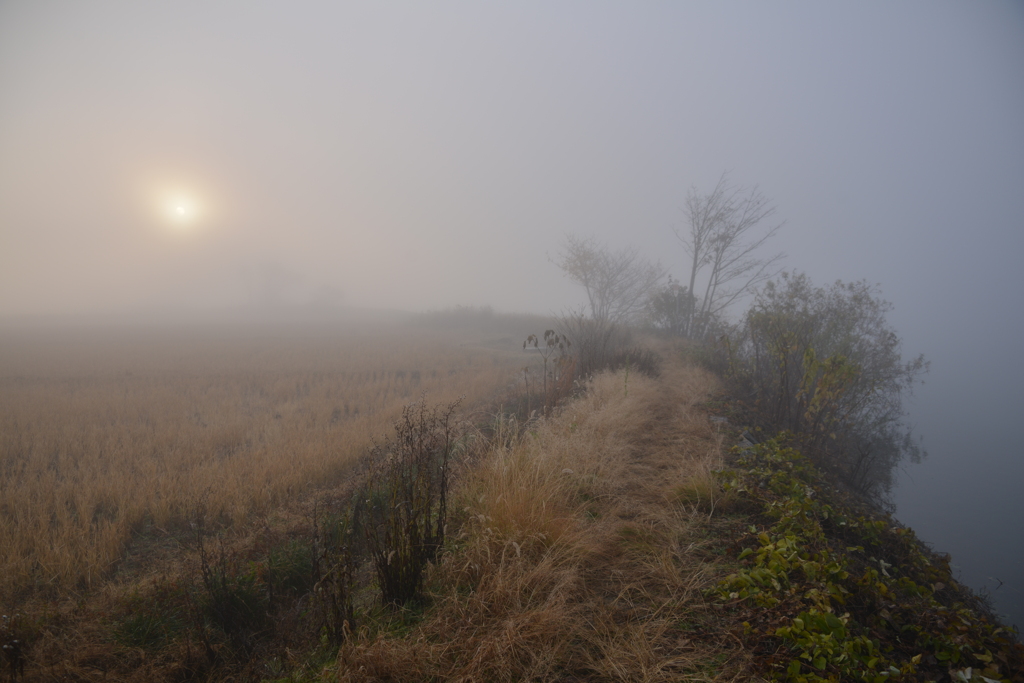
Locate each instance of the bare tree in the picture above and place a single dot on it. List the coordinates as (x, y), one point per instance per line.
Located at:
(617, 282)
(722, 239)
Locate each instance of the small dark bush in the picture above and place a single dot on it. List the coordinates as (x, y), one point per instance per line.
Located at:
(153, 619)
(235, 603)
(407, 498)
(334, 566)
(232, 598)
(559, 367)
(637, 359)
(290, 568)
(594, 342)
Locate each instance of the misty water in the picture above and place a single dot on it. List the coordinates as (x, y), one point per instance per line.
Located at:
(965, 498)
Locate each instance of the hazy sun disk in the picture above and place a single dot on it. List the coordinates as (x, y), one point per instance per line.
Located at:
(181, 210)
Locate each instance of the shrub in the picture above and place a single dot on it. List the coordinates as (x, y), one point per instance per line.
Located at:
(407, 497)
(231, 597)
(234, 599)
(559, 366)
(595, 341)
(823, 363)
(334, 567)
(637, 359)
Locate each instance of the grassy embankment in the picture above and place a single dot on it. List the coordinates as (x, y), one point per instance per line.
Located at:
(613, 544)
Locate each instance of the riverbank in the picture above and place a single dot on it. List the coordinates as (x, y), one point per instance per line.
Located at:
(671, 564)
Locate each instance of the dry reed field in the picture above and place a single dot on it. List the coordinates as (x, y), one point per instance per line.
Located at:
(581, 543)
(103, 435)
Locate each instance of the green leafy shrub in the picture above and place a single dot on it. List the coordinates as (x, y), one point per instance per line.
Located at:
(823, 364)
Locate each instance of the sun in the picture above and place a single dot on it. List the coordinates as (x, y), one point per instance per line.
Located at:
(181, 210)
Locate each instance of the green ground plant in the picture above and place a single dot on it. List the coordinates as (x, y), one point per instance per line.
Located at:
(851, 597)
(152, 619)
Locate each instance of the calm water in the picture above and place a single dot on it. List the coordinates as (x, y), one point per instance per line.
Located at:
(967, 498)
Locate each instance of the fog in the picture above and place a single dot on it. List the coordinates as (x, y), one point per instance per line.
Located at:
(160, 159)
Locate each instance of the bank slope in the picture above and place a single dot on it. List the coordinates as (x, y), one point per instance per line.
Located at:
(625, 539)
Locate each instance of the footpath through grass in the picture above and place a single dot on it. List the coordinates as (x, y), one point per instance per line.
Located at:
(578, 557)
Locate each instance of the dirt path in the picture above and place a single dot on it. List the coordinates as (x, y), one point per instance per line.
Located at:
(661, 551)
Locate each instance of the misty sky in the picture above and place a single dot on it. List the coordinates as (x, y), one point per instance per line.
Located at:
(158, 156)
(416, 156)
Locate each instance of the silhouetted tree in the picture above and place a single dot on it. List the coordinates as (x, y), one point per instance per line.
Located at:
(617, 282)
(721, 239)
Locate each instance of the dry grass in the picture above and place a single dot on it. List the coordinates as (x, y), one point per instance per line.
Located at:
(574, 563)
(573, 558)
(102, 437)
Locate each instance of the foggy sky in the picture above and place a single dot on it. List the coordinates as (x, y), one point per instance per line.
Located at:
(420, 156)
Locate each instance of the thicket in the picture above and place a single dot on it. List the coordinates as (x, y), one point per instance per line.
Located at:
(824, 364)
(406, 498)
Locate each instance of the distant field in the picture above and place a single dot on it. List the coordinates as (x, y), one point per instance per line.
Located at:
(102, 434)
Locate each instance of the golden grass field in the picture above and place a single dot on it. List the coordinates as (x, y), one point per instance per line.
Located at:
(105, 434)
